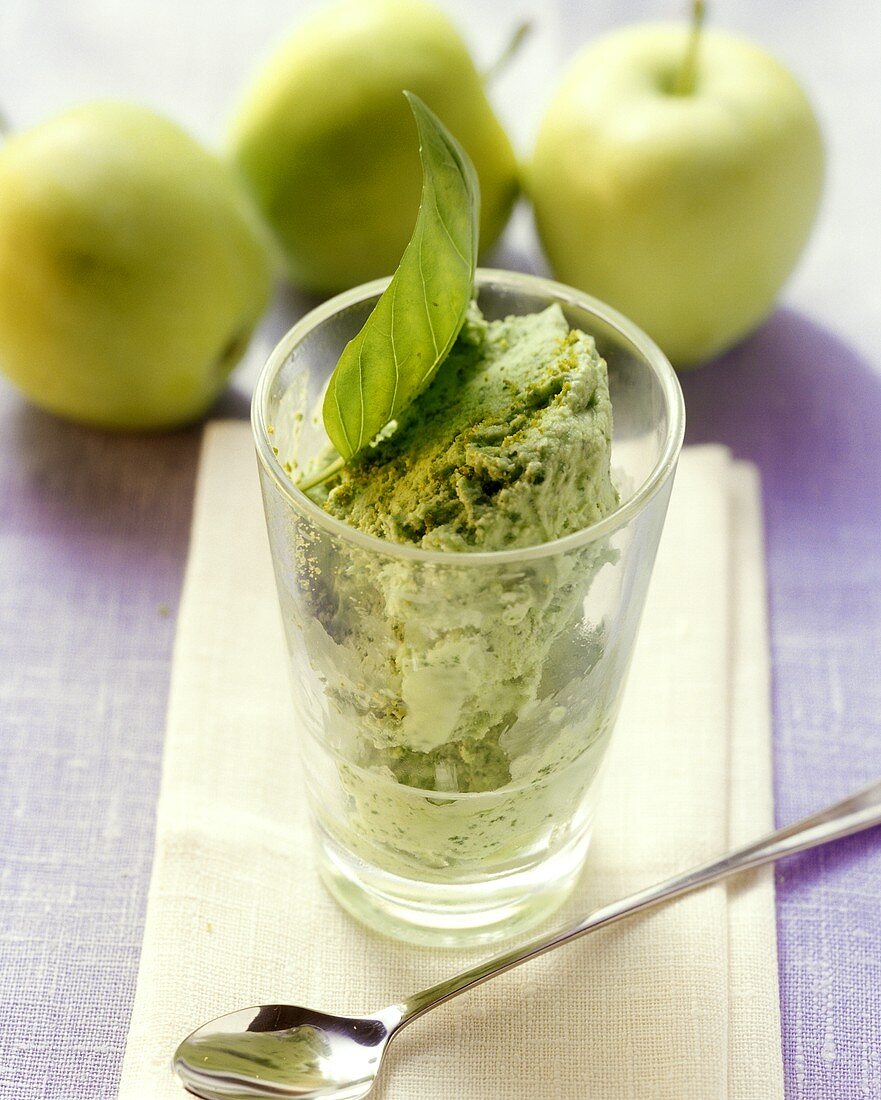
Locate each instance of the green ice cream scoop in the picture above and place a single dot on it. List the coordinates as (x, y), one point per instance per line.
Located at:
(509, 446)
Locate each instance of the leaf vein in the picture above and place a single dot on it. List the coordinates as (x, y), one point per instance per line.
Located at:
(427, 310)
(450, 236)
(394, 298)
(342, 421)
(360, 396)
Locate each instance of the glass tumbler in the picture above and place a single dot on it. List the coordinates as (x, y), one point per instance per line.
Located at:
(453, 708)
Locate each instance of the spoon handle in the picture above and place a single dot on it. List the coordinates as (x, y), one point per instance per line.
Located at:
(860, 811)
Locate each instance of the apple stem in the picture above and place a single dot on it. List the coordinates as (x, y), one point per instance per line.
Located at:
(521, 32)
(687, 75)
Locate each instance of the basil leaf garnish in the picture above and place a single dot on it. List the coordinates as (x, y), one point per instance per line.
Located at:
(415, 323)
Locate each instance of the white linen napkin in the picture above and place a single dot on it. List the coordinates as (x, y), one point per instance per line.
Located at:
(677, 1003)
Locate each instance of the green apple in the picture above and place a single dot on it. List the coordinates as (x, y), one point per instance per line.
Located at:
(325, 139)
(132, 268)
(677, 178)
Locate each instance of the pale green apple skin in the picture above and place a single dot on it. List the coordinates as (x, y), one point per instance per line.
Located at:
(326, 141)
(687, 213)
(133, 269)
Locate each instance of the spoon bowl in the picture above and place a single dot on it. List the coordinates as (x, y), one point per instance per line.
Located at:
(285, 1051)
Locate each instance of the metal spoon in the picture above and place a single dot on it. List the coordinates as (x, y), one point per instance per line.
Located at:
(285, 1051)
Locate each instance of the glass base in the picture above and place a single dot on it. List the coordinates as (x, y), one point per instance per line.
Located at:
(464, 914)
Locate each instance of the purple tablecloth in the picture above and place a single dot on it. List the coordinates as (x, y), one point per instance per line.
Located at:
(93, 539)
(797, 401)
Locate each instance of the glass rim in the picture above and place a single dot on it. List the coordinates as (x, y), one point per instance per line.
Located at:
(620, 517)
